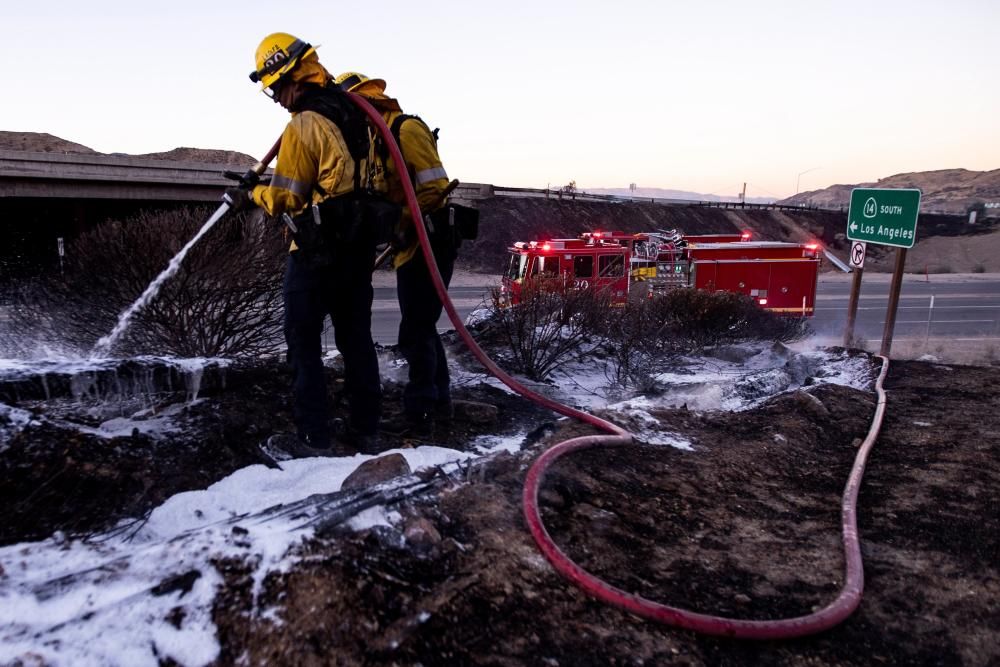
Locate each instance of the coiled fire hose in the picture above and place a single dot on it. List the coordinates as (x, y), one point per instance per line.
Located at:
(843, 606)
(834, 613)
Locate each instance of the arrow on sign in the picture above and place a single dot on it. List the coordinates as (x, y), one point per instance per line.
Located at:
(854, 226)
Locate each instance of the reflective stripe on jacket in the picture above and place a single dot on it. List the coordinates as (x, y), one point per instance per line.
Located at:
(312, 152)
(429, 177)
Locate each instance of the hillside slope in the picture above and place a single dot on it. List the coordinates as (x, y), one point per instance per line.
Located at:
(943, 190)
(205, 155)
(41, 142)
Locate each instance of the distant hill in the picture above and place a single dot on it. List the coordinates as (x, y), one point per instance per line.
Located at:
(945, 190)
(206, 155)
(40, 142)
(666, 193)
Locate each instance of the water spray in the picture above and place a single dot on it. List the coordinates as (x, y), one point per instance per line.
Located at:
(252, 176)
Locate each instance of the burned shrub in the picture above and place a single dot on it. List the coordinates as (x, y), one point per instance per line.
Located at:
(225, 299)
(633, 338)
(547, 328)
(694, 319)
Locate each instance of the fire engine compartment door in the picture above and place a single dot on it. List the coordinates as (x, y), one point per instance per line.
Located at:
(749, 278)
(793, 286)
(786, 284)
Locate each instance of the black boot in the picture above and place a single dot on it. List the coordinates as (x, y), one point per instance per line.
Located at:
(285, 446)
(409, 424)
(355, 440)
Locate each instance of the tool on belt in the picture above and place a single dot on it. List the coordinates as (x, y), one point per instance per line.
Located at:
(453, 222)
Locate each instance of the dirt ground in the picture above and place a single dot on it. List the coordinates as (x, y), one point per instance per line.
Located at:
(747, 524)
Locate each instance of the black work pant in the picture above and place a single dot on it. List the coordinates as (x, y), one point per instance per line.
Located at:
(429, 381)
(342, 291)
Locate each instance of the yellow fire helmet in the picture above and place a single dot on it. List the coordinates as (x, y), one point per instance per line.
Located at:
(277, 55)
(356, 82)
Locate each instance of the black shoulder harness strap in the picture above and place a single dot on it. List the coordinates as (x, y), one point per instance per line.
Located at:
(333, 104)
(397, 123)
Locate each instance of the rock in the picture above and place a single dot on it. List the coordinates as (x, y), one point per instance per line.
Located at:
(476, 413)
(811, 404)
(377, 471)
(421, 533)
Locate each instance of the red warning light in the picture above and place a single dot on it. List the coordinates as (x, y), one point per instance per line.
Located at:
(812, 246)
(762, 302)
(546, 247)
(745, 236)
(597, 235)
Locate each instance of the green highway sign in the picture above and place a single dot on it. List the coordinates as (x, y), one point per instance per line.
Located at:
(883, 216)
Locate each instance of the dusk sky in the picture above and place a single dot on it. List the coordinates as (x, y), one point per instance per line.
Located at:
(691, 96)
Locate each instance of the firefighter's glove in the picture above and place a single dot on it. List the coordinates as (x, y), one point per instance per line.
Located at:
(238, 199)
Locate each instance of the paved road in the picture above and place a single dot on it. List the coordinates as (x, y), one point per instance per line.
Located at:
(965, 308)
(385, 310)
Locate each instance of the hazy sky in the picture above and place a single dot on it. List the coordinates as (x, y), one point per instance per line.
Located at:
(689, 95)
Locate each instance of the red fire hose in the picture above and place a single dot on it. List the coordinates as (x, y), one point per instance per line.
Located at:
(835, 612)
(838, 610)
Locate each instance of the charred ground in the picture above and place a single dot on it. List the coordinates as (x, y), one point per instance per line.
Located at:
(747, 524)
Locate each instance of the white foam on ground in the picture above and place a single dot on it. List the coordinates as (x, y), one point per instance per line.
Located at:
(91, 603)
(12, 421)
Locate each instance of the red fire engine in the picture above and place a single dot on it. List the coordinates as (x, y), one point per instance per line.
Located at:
(568, 264)
(780, 276)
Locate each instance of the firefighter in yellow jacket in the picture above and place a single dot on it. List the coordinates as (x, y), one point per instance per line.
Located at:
(427, 395)
(322, 164)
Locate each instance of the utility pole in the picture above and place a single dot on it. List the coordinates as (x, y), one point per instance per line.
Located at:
(799, 177)
(743, 196)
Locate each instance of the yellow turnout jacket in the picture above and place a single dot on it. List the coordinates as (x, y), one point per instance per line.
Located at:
(422, 163)
(312, 152)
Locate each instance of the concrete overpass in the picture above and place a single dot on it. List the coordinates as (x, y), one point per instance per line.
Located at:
(45, 197)
(119, 177)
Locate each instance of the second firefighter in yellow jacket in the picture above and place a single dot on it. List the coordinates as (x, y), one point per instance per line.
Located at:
(427, 395)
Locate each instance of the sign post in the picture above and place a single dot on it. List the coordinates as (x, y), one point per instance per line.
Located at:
(857, 262)
(887, 217)
(890, 312)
